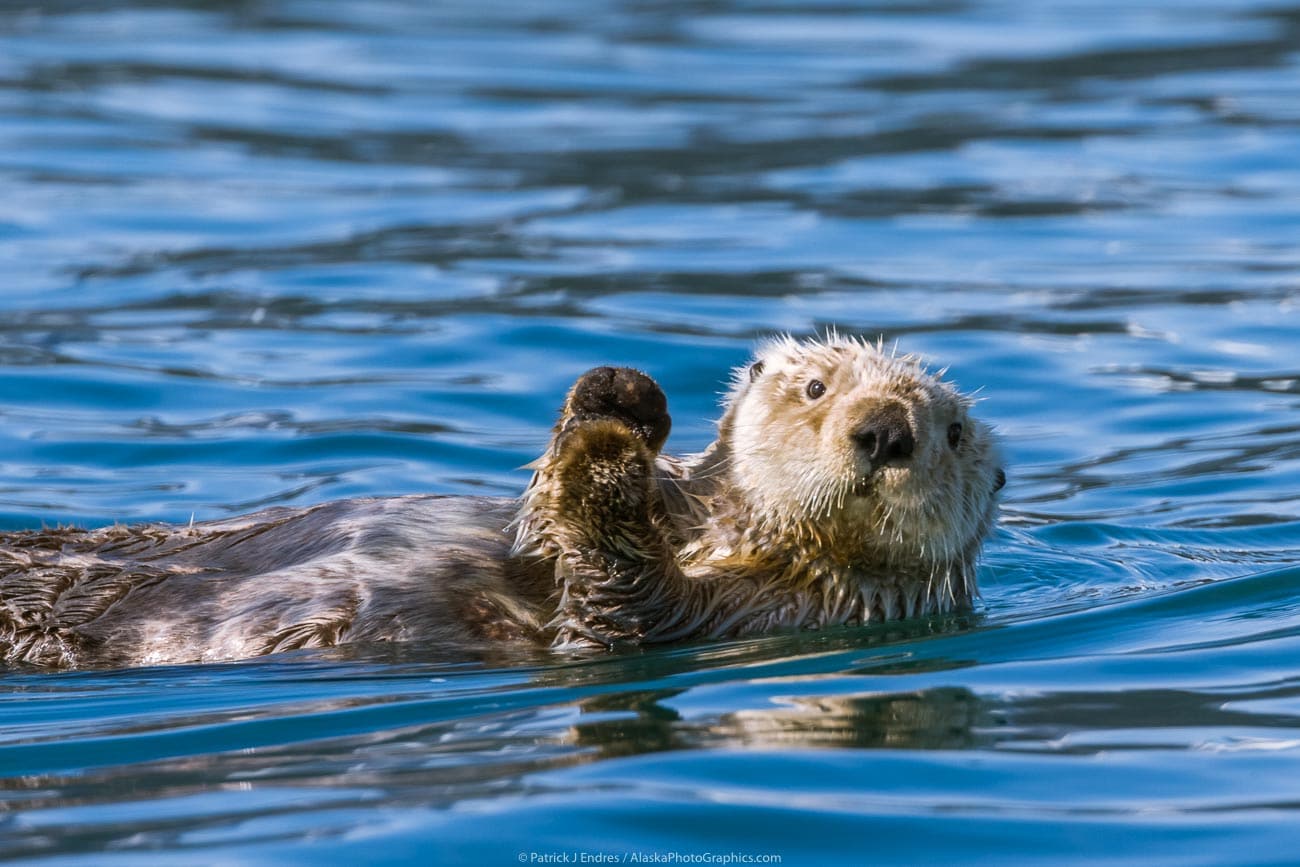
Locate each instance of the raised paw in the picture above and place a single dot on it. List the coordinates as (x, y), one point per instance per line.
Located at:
(625, 395)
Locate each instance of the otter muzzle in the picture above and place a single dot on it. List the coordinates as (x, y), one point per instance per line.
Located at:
(885, 437)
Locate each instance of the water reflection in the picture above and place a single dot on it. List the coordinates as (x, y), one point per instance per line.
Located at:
(932, 719)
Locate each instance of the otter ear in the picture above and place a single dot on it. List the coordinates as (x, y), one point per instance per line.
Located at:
(999, 480)
(755, 370)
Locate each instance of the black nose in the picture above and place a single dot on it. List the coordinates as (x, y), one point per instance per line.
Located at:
(885, 436)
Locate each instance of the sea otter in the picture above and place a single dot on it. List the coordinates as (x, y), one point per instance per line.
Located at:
(847, 484)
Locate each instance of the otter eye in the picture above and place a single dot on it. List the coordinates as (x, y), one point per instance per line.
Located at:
(816, 389)
(954, 434)
(755, 370)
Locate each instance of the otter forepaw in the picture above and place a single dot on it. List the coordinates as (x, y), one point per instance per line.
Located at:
(605, 477)
(624, 395)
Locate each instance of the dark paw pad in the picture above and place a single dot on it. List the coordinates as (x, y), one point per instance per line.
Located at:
(626, 395)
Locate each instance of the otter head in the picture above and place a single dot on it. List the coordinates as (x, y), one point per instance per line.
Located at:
(861, 451)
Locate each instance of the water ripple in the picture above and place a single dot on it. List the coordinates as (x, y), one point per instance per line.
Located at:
(286, 251)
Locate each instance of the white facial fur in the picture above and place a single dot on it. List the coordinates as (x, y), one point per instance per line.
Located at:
(794, 455)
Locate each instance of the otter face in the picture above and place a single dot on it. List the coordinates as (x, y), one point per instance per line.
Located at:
(862, 448)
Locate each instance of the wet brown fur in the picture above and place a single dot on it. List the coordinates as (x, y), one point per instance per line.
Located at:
(777, 524)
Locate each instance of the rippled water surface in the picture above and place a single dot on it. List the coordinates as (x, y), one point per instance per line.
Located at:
(271, 252)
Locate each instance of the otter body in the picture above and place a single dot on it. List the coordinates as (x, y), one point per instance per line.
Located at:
(402, 568)
(846, 485)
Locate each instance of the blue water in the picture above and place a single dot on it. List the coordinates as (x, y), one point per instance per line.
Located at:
(279, 252)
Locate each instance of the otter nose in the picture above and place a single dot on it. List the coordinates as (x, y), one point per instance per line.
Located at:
(885, 437)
